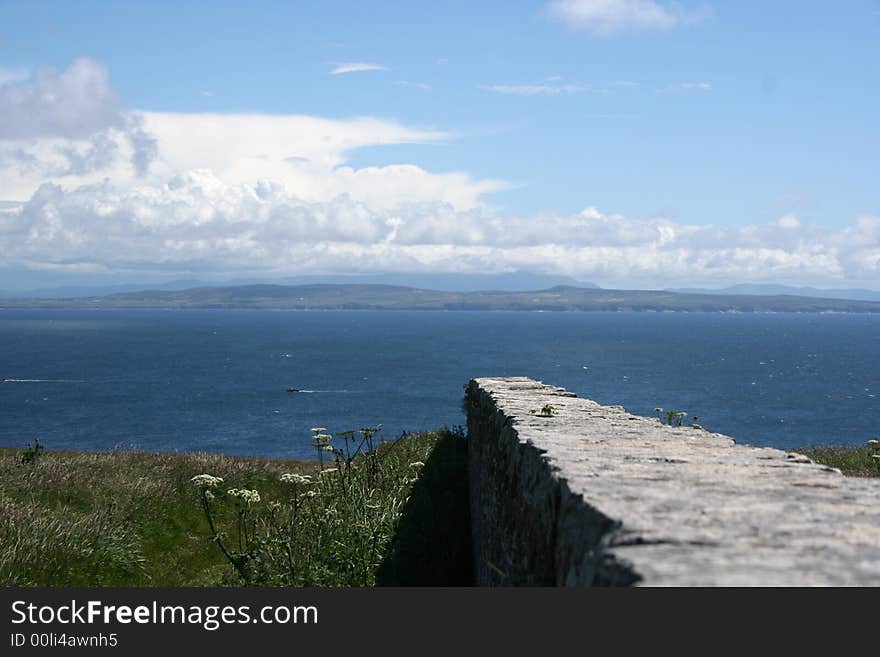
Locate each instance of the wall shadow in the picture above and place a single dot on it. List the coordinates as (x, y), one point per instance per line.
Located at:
(432, 546)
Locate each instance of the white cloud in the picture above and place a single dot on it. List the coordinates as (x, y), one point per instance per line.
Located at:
(688, 86)
(196, 222)
(788, 221)
(534, 89)
(413, 85)
(74, 103)
(355, 67)
(8, 74)
(231, 193)
(609, 17)
(69, 129)
(68, 123)
(305, 154)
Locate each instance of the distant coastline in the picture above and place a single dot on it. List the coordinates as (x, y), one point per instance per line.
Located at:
(391, 297)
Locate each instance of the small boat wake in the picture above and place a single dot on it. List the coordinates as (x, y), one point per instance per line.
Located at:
(44, 381)
(313, 392)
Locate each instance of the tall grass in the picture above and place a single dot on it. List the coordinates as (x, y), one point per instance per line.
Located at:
(860, 461)
(333, 528)
(64, 547)
(120, 518)
(136, 519)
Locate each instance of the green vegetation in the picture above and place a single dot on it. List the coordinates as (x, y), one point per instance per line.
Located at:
(547, 410)
(391, 297)
(32, 452)
(675, 418)
(366, 513)
(863, 461)
(138, 519)
(332, 528)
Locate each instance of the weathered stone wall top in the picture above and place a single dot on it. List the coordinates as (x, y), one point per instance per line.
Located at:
(596, 495)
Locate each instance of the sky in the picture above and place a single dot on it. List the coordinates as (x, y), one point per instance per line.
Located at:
(630, 143)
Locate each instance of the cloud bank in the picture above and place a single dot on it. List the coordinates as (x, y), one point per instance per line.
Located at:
(101, 188)
(197, 223)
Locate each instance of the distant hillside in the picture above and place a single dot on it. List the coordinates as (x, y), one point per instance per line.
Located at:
(509, 282)
(775, 290)
(389, 297)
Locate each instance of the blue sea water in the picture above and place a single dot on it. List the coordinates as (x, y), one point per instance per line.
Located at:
(215, 381)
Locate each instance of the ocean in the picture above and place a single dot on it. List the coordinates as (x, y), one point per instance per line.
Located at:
(217, 380)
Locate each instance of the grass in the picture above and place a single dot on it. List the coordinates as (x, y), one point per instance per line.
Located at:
(397, 515)
(134, 519)
(852, 461)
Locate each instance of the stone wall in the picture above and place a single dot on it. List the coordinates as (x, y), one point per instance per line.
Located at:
(593, 495)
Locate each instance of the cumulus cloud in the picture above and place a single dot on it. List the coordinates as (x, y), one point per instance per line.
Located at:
(355, 67)
(8, 74)
(73, 103)
(304, 153)
(197, 222)
(609, 17)
(69, 123)
(234, 193)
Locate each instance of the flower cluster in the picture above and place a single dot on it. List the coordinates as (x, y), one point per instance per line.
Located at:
(245, 495)
(322, 440)
(206, 482)
(295, 478)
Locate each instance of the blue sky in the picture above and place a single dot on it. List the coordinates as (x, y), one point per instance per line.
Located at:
(721, 122)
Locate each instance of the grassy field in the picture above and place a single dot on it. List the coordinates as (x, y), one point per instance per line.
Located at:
(136, 519)
(852, 461)
(395, 516)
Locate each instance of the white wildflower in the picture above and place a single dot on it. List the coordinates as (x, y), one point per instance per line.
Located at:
(296, 478)
(206, 481)
(874, 442)
(318, 429)
(328, 471)
(417, 464)
(245, 495)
